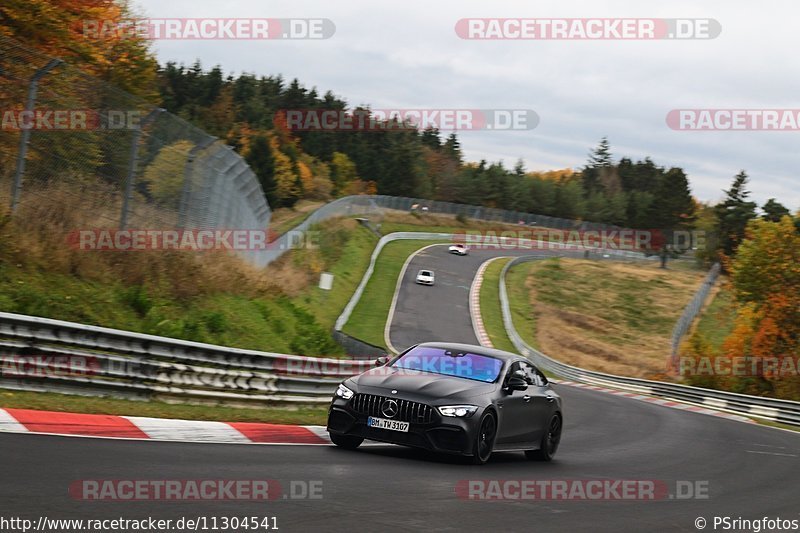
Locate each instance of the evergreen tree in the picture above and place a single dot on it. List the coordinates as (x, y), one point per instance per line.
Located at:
(673, 206)
(774, 211)
(259, 157)
(734, 213)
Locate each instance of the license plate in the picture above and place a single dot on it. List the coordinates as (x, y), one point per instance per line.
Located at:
(385, 423)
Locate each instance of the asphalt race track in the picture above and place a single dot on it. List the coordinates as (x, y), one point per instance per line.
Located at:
(441, 312)
(750, 471)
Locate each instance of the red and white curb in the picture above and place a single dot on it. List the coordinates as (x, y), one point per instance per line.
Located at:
(157, 429)
(475, 305)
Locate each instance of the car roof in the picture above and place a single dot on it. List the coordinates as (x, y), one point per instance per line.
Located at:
(480, 350)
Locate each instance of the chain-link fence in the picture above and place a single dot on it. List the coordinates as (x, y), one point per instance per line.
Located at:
(375, 205)
(107, 159)
(691, 311)
(488, 214)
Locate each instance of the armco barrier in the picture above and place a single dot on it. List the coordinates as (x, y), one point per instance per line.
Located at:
(139, 366)
(784, 411)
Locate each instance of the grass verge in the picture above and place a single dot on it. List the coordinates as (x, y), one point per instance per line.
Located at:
(491, 312)
(716, 320)
(369, 317)
(605, 316)
(48, 401)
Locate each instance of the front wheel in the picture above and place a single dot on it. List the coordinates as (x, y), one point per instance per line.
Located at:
(346, 441)
(484, 441)
(550, 440)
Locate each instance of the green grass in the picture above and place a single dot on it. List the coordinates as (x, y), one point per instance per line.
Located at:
(631, 300)
(491, 312)
(48, 401)
(605, 316)
(518, 300)
(299, 322)
(369, 317)
(347, 270)
(295, 220)
(716, 320)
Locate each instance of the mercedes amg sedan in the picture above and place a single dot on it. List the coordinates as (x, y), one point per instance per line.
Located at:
(450, 398)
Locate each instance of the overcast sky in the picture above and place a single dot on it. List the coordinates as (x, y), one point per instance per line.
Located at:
(407, 55)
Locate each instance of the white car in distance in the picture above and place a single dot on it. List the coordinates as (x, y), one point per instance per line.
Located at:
(458, 249)
(425, 277)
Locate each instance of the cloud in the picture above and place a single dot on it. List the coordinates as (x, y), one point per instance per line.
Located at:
(408, 55)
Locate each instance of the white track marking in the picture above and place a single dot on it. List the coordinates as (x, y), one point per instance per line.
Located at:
(9, 423)
(193, 430)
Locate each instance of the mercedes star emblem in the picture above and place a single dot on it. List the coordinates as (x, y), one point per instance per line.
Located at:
(389, 408)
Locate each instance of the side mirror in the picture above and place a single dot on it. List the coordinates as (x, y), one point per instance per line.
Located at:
(516, 383)
(380, 361)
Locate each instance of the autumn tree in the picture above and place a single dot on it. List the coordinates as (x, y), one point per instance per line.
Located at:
(766, 283)
(85, 32)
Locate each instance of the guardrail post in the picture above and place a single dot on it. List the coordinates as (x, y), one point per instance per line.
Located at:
(24, 138)
(132, 163)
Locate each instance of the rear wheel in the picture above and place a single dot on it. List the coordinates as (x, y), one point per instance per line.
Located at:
(550, 439)
(346, 441)
(484, 441)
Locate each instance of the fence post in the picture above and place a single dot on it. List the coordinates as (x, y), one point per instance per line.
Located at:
(24, 138)
(134, 156)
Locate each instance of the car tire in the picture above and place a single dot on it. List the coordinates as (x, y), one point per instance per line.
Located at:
(484, 439)
(347, 442)
(550, 440)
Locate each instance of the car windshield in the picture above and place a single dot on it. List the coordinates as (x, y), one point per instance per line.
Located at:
(424, 273)
(451, 363)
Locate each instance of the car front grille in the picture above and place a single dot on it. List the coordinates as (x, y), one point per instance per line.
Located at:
(407, 411)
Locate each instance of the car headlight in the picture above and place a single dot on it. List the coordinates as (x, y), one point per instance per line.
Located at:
(460, 411)
(344, 392)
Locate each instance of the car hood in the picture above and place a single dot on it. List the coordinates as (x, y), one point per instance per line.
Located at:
(419, 384)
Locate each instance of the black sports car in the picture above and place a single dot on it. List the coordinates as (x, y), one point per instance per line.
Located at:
(452, 398)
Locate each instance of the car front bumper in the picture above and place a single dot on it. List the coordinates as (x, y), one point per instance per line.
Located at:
(443, 434)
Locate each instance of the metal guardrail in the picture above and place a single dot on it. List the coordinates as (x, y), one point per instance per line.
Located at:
(140, 366)
(784, 411)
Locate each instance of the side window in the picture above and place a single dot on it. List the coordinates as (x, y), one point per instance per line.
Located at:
(533, 375)
(530, 373)
(511, 369)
